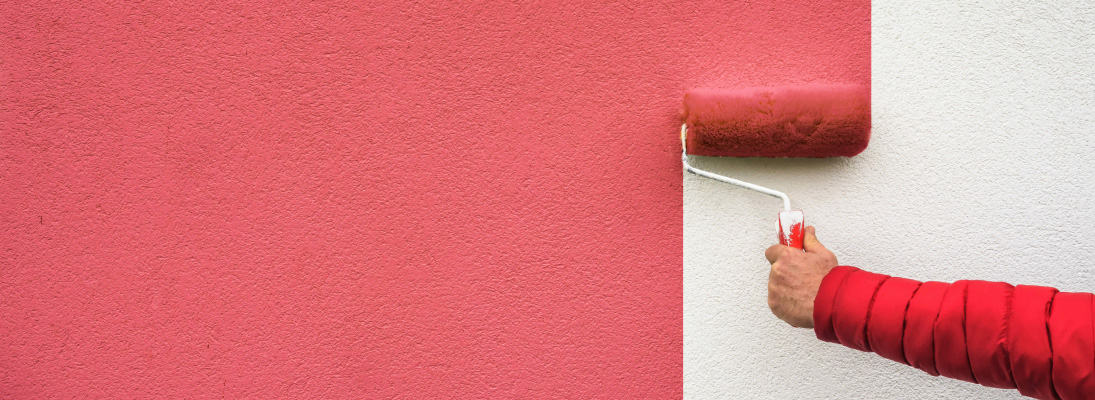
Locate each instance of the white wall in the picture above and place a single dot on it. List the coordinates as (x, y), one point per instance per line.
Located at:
(981, 166)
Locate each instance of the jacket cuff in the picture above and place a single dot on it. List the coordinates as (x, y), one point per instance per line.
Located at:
(823, 302)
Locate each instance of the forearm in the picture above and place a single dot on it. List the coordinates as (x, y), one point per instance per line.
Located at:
(1027, 337)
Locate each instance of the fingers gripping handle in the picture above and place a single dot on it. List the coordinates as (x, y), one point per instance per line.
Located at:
(792, 228)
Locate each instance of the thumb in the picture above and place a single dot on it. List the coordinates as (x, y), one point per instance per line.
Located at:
(810, 242)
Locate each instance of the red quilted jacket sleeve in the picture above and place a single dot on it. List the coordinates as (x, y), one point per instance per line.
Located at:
(1031, 338)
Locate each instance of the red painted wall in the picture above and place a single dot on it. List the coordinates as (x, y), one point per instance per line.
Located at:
(337, 199)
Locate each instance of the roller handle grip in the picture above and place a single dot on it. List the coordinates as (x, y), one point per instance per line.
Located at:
(791, 228)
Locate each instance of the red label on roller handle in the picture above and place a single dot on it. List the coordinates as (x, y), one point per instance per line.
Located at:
(792, 228)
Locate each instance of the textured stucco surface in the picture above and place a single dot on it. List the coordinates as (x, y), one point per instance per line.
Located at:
(345, 199)
(982, 166)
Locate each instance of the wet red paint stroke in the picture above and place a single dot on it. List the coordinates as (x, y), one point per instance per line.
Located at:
(364, 199)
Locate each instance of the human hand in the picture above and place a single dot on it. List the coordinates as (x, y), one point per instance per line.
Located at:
(795, 278)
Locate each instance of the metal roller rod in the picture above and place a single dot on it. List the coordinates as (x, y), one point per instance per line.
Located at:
(720, 178)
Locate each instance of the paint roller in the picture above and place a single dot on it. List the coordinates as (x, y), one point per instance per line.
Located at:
(814, 121)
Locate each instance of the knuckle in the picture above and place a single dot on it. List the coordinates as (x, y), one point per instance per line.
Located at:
(772, 254)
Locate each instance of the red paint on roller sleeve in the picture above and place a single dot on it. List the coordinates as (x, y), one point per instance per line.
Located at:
(790, 121)
(378, 199)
